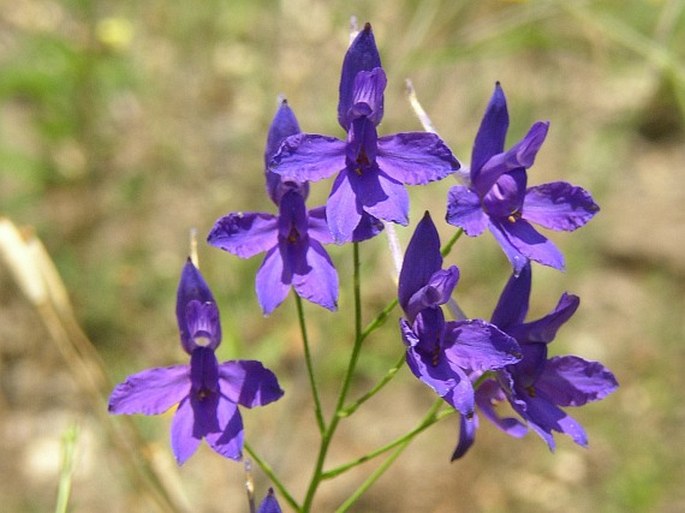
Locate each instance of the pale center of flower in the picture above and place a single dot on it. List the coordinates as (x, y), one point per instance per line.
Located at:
(202, 340)
(512, 218)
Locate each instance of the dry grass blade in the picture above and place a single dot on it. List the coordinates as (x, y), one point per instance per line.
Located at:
(36, 275)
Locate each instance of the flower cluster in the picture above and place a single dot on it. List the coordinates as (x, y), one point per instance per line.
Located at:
(372, 170)
(470, 363)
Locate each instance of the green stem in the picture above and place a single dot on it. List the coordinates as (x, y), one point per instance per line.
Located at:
(447, 248)
(399, 445)
(310, 367)
(380, 319)
(266, 468)
(428, 420)
(351, 408)
(347, 380)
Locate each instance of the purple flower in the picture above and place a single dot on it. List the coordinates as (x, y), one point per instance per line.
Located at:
(537, 387)
(372, 170)
(207, 393)
(269, 504)
(497, 196)
(442, 353)
(293, 240)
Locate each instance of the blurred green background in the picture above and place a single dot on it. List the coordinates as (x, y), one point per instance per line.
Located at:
(125, 124)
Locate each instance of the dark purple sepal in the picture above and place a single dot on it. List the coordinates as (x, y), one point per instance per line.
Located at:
(362, 55)
(422, 259)
(269, 504)
(521, 155)
(545, 329)
(467, 435)
(368, 227)
(192, 287)
(492, 131)
(283, 125)
(512, 306)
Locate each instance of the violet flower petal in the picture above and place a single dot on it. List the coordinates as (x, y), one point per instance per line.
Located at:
(505, 197)
(318, 225)
(512, 306)
(415, 158)
(467, 435)
(381, 196)
(545, 329)
(409, 338)
(245, 234)
(272, 282)
(544, 416)
(343, 211)
(436, 292)
(522, 154)
(488, 394)
(492, 131)
(284, 124)
(422, 259)
(228, 442)
(203, 324)
(362, 55)
(464, 210)
(530, 243)
(559, 206)
(269, 504)
(204, 414)
(369, 87)
(572, 381)
(368, 227)
(320, 284)
(192, 287)
(151, 391)
(309, 157)
(531, 366)
(478, 345)
(248, 383)
(448, 382)
(517, 259)
(183, 442)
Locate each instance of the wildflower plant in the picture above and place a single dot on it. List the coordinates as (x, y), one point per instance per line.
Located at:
(472, 364)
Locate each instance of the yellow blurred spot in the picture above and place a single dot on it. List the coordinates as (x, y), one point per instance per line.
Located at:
(115, 33)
